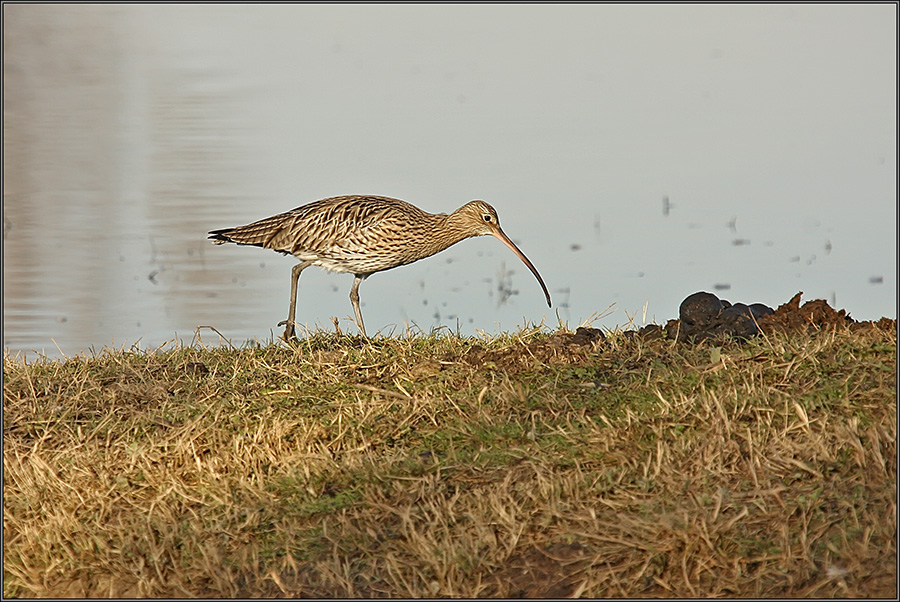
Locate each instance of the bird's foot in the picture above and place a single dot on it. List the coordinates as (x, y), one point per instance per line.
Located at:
(289, 335)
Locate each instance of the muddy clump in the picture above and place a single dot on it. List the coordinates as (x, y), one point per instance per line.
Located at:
(704, 316)
(813, 315)
(582, 336)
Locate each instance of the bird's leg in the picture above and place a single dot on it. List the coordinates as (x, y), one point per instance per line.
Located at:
(289, 332)
(354, 299)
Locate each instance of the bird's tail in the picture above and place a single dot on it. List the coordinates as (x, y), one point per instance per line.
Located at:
(256, 234)
(220, 237)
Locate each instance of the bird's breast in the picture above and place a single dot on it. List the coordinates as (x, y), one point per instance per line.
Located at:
(355, 261)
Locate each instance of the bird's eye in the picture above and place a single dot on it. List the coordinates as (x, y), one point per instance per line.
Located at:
(487, 217)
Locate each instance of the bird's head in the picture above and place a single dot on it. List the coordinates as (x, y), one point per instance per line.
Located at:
(477, 218)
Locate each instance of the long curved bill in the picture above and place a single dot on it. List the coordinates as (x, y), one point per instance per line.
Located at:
(503, 237)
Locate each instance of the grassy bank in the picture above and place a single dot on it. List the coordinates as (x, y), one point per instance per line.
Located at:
(533, 464)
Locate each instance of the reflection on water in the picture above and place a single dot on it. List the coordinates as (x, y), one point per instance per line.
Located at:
(131, 131)
(109, 179)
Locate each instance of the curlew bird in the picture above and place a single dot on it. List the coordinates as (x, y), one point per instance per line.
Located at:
(362, 235)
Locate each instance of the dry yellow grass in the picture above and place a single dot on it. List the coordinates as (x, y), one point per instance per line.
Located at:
(441, 466)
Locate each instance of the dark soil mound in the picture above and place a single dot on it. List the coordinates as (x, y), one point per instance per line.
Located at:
(703, 316)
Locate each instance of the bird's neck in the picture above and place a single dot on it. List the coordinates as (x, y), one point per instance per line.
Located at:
(454, 228)
(443, 231)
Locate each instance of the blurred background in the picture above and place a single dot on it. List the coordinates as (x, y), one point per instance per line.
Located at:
(635, 153)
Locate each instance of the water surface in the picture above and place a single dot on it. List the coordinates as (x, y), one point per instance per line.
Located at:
(636, 154)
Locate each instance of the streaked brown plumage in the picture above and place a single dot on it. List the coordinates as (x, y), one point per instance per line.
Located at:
(363, 235)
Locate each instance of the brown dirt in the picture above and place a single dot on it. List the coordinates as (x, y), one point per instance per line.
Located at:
(556, 571)
(812, 315)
